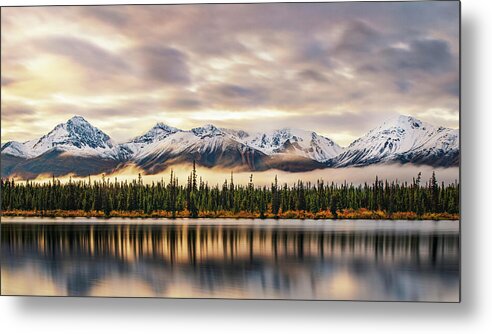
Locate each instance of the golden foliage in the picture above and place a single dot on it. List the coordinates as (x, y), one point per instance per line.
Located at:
(342, 214)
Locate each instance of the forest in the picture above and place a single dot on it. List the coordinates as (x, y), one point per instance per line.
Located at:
(381, 199)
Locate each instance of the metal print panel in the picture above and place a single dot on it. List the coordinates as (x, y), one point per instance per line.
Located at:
(257, 151)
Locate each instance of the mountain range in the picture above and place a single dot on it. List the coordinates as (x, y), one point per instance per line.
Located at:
(77, 147)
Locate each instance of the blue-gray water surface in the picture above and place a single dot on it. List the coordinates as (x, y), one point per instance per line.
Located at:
(220, 258)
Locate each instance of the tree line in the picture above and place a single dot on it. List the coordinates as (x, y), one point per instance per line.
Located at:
(196, 196)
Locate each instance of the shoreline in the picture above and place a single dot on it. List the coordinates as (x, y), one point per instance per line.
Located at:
(361, 214)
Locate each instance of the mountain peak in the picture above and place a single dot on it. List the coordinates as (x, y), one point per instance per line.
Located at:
(77, 119)
(78, 133)
(13, 148)
(164, 126)
(402, 138)
(307, 144)
(208, 130)
(75, 135)
(403, 121)
(76, 122)
(158, 132)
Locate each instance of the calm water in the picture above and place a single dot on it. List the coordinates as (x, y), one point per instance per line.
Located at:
(364, 260)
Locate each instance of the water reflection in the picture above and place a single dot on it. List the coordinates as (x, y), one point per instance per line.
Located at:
(231, 261)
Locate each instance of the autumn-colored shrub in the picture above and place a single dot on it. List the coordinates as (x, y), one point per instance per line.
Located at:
(342, 214)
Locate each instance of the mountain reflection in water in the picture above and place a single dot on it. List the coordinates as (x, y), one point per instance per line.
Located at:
(231, 261)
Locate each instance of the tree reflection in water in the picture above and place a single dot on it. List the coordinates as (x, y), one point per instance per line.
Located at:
(230, 261)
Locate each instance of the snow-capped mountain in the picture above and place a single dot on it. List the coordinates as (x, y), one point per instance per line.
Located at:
(76, 136)
(80, 148)
(16, 149)
(403, 139)
(286, 141)
(163, 139)
(157, 133)
(208, 145)
(75, 147)
(208, 131)
(212, 146)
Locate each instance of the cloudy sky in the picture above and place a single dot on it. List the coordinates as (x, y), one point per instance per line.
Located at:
(336, 68)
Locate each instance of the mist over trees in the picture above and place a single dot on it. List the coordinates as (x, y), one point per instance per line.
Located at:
(197, 198)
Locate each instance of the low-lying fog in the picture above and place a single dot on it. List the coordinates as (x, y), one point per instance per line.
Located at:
(353, 175)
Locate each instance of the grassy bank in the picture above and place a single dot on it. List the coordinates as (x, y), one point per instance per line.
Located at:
(342, 214)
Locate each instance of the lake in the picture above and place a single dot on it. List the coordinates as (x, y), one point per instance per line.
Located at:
(221, 258)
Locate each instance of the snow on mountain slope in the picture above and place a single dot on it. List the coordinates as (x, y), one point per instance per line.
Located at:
(175, 143)
(208, 131)
(157, 133)
(169, 141)
(83, 149)
(399, 139)
(15, 148)
(200, 140)
(208, 145)
(76, 136)
(286, 141)
(209, 138)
